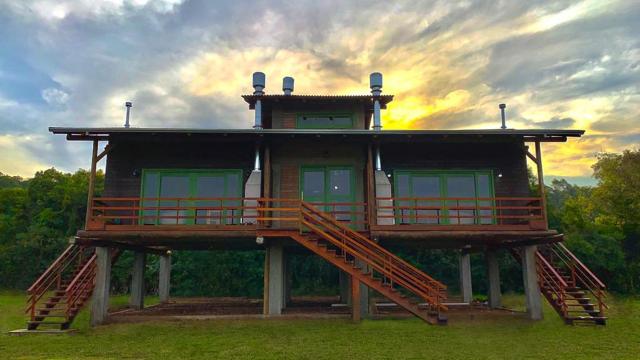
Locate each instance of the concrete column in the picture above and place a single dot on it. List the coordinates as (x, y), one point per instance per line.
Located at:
(100, 297)
(136, 299)
(383, 190)
(465, 277)
(530, 278)
(365, 304)
(252, 189)
(275, 273)
(493, 275)
(287, 277)
(356, 307)
(164, 278)
(345, 288)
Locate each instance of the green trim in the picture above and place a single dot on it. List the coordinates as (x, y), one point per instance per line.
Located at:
(193, 175)
(301, 123)
(442, 175)
(327, 196)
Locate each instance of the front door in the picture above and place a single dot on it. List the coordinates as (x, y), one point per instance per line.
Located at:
(330, 188)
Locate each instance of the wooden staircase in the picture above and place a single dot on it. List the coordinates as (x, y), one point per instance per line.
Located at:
(569, 286)
(62, 290)
(369, 263)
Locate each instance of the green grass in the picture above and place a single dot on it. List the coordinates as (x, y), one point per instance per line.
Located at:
(478, 338)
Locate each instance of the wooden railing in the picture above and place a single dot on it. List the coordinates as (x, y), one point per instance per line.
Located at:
(579, 274)
(499, 213)
(391, 268)
(113, 212)
(462, 212)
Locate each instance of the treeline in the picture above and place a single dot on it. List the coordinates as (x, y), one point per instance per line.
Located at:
(601, 226)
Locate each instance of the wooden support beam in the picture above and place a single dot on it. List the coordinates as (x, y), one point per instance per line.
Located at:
(107, 150)
(533, 158)
(355, 299)
(92, 180)
(541, 188)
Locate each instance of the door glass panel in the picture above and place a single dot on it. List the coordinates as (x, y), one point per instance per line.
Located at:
(403, 191)
(313, 185)
(461, 211)
(484, 191)
(150, 191)
(173, 187)
(427, 211)
(209, 211)
(233, 191)
(340, 192)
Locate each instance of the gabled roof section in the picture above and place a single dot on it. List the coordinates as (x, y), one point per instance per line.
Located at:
(318, 99)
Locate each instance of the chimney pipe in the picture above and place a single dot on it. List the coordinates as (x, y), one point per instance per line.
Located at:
(504, 122)
(126, 121)
(375, 83)
(259, 81)
(287, 85)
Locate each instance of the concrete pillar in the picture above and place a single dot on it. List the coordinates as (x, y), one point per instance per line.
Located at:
(252, 189)
(287, 278)
(345, 287)
(136, 299)
(164, 278)
(275, 283)
(383, 190)
(493, 275)
(356, 307)
(465, 277)
(366, 303)
(100, 297)
(530, 278)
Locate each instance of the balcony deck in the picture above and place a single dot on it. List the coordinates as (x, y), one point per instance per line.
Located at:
(236, 222)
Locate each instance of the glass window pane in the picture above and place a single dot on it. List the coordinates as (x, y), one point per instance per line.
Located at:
(428, 210)
(173, 187)
(461, 186)
(326, 121)
(340, 182)
(209, 211)
(313, 185)
(484, 191)
(150, 190)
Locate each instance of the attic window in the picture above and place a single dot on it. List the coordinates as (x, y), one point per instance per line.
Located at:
(325, 121)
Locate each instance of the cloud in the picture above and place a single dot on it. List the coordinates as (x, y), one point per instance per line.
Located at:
(184, 64)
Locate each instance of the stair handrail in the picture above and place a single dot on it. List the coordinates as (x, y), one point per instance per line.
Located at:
(586, 272)
(407, 266)
(388, 260)
(386, 272)
(79, 284)
(554, 280)
(50, 277)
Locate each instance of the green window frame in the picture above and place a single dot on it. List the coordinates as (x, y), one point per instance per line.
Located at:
(193, 215)
(444, 212)
(327, 196)
(302, 123)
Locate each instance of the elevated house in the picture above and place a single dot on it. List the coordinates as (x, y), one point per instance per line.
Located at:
(319, 172)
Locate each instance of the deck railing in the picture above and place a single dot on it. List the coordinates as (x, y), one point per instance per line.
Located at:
(416, 213)
(505, 212)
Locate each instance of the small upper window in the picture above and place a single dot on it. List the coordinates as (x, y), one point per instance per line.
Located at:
(325, 121)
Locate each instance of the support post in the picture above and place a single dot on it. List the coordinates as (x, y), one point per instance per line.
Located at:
(465, 277)
(531, 287)
(356, 301)
(136, 299)
(345, 288)
(275, 272)
(92, 180)
(493, 275)
(164, 277)
(100, 298)
(363, 294)
(287, 277)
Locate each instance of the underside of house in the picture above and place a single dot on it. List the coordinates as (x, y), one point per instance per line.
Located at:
(317, 174)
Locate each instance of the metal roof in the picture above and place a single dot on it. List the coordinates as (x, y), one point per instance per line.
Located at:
(74, 133)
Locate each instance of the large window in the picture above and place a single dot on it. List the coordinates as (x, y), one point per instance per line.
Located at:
(443, 197)
(330, 186)
(325, 121)
(204, 196)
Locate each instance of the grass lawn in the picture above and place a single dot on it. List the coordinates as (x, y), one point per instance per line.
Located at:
(495, 338)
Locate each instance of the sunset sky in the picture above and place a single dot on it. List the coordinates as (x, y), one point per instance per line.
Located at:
(557, 64)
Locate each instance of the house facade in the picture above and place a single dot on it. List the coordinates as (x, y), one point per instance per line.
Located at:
(319, 172)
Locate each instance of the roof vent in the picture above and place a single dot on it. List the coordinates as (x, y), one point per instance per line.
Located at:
(126, 120)
(287, 85)
(504, 121)
(375, 83)
(259, 81)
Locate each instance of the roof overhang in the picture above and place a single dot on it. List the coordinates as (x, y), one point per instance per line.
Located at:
(318, 99)
(527, 135)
